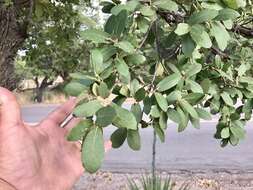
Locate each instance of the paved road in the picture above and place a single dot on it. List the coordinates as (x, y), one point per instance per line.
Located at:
(193, 150)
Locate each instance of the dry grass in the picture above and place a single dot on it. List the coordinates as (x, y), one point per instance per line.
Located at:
(50, 97)
(55, 97)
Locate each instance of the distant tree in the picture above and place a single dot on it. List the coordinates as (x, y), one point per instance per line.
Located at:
(54, 47)
(19, 18)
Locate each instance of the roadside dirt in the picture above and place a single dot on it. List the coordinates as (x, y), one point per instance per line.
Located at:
(197, 181)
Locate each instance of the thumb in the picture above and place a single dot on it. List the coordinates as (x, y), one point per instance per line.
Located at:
(9, 109)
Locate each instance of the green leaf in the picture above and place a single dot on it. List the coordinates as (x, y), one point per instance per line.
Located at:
(97, 61)
(169, 82)
(133, 139)
(211, 5)
(225, 133)
(134, 86)
(237, 131)
(204, 15)
(107, 6)
(233, 140)
(184, 119)
(103, 90)
(124, 118)
(125, 46)
(118, 8)
(188, 108)
(132, 5)
(166, 5)
(93, 150)
(227, 99)
(122, 68)
(135, 59)
(215, 105)
(137, 111)
(195, 123)
(200, 36)
(242, 69)
(115, 25)
(188, 45)
(174, 96)
(108, 52)
(228, 24)
(80, 130)
(173, 115)
(75, 88)
(194, 98)
(105, 116)
(235, 4)
(118, 137)
(195, 87)
(155, 112)
(161, 101)
(159, 132)
(129, 6)
(205, 84)
(203, 114)
(147, 11)
(147, 104)
(124, 90)
(140, 94)
(182, 29)
(221, 35)
(163, 120)
(119, 100)
(95, 35)
(193, 70)
(227, 14)
(248, 80)
(89, 22)
(87, 109)
(84, 77)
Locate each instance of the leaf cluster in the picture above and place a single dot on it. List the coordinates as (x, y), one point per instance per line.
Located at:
(179, 61)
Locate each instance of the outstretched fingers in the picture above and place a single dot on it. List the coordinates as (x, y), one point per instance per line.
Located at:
(58, 116)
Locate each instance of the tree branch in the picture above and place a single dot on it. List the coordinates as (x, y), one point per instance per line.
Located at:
(244, 31)
(175, 17)
(217, 51)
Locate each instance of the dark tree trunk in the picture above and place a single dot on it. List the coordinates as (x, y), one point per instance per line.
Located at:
(154, 159)
(39, 95)
(40, 88)
(13, 32)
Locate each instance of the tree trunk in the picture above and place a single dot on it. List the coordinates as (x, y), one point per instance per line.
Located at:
(40, 88)
(12, 36)
(39, 94)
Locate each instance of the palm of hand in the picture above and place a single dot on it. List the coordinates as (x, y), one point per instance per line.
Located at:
(37, 157)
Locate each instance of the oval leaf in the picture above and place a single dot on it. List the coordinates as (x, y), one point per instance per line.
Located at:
(133, 139)
(118, 137)
(105, 116)
(87, 109)
(169, 82)
(93, 150)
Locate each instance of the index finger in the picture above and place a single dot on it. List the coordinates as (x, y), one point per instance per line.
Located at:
(60, 114)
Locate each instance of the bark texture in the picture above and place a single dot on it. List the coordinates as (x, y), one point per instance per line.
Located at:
(40, 88)
(12, 35)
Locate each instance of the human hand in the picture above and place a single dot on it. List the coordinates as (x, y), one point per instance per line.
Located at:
(38, 157)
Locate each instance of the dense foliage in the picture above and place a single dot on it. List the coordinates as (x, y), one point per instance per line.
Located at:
(53, 47)
(177, 60)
